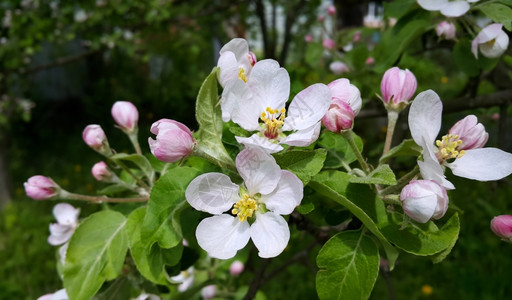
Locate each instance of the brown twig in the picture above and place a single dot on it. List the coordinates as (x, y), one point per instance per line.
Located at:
(257, 281)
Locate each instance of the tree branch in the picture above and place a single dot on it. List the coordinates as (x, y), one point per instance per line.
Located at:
(60, 61)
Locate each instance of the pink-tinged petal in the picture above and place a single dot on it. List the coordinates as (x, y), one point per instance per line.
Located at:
(489, 33)
(286, 196)
(342, 89)
(308, 107)
(125, 114)
(174, 140)
(420, 209)
(231, 95)
(455, 9)
(269, 84)
(45, 297)
(236, 268)
(470, 132)
(60, 234)
(66, 214)
(483, 164)
(432, 5)
(502, 226)
(259, 170)
(187, 283)
(40, 187)
(259, 142)
(237, 46)
(425, 117)
(212, 192)
(496, 48)
(222, 236)
(270, 234)
(303, 138)
(474, 48)
(339, 116)
(60, 295)
(228, 68)
(430, 167)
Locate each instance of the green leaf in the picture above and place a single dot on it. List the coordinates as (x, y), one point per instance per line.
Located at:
(150, 260)
(464, 58)
(140, 161)
(303, 163)
(339, 152)
(208, 115)
(161, 223)
(421, 239)
(359, 200)
(406, 148)
(314, 52)
(499, 13)
(349, 265)
(382, 175)
(397, 9)
(96, 253)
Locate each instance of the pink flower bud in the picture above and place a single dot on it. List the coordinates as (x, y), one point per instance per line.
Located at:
(329, 44)
(370, 61)
(41, 187)
(236, 268)
(331, 10)
(357, 36)
(101, 172)
(337, 67)
(209, 291)
(502, 227)
(126, 115)
(345, 105)
(95, 138)
(321, 18)
(173, 141)
(446, 29)
(423, 200)
(397, 86)
(470, 132)
(308, 38)
(252, 58)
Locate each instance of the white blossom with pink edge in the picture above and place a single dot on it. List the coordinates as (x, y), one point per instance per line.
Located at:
(424, 200)
(235, 61)
(59, 295)
(267, 193)
(446, 30)
(492, 41)
(446, 7)
(482, 164)
(264, 98)
(67, 221)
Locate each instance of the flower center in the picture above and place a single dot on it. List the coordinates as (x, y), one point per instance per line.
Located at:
(274, 120)
(244, 208)
(241, 74)
(491, 42)
(448, 146)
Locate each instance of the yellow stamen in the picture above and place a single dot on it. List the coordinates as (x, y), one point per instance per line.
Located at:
(448, 147)
(274, 120)
(241, 74)
(244, 208)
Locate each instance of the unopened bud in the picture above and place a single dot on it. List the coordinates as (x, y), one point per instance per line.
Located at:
(345, 105)
(329, 44)
(370, 61)
(209, 291)
(470, 132)
(331, 10)
(174, 140)
(126, 115)
(94, 136)
(446, 29)
(423, 200)
(236, 268)
(502, 227)
(41, 188)
(308, 38)
(321, 18)
(101, 172)
(338, 68)
(397, 87)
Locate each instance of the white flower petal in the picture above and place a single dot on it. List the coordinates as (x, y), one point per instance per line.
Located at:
(431, 169)
(496, 49)
(231, 95)
(483, 164)
(256, 141)
(259, 170)
(425, 117)
(247, 109)
(455, 8)
(212, 192)
(432, 5)
(286, 196)
(228, 68)
(187, 283)
(308, 107)
(66, 214)
(270, 84)
(303, 138)
(237, 46)
(270, 234)
(420, 209)
(60, 295)
(222, 236)
(59, 234)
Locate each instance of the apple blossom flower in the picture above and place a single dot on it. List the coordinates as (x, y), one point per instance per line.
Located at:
(328, 44)
(236, 268)
(424, 200)
(482, 164)
(338, 68)
(446, 7)
(174, 140)
(446, 29)
(256, 206)
(502, 227)
(40, 187)
(126, 115)
(209, 291)
(308, 38)
(185, 278)
(235, 61)
(345, 105)
(397, 87)
(94, 136)
(67, 221)
(264, 98)
(59, 295)
(492, 41)
(331, 10)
